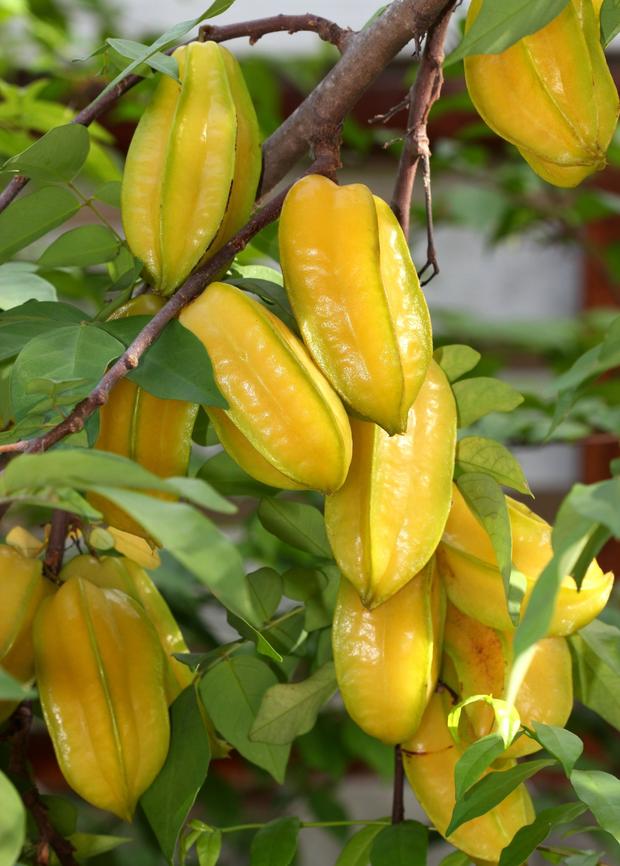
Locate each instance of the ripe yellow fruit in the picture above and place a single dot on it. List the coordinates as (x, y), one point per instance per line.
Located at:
(387, 659)
(101, 679)
(356, 295)
(474, 584)
(430, 758)
(386, 521)
(285, 425)
(551, 94)
(193, 165)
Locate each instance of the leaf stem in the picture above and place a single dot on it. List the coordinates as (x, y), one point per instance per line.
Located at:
(305, 825)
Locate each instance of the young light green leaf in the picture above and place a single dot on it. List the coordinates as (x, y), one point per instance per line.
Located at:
(300, 525)
(72, 353)
(357, 850)
(21, 324)
(482, 395)
(600, 503)
(456, 360)
(604, 640)
(169, 799)
(477, 454)
(232, 692)
(81, 247)
(610, 20)
(475, 760)
(528, 838)
(404, 844)
(455, 858)
(491, 790)
(562, 744)
(12, 690)
(31, 217)
(176, 367)
(132, 50)
(601, 794)
(13, 826)
(89, 845)
(498, 26)
(290, 710)
(19, 284)
(275, 844)
(208, 847)
(488, 503)
(56, 156)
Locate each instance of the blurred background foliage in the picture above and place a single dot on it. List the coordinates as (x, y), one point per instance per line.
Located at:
(480, 184)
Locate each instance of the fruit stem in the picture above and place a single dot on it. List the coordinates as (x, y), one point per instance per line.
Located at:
(398, 790)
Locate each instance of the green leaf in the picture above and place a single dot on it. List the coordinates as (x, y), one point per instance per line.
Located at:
(229, 478)
(110, 193)
(562, 744)
(23, 323)
(66, 354)
(604, 640)
(601, 794)
(169, 799)
(488, 503)
(596, 685)
(89, 845)
(19, 284)
(266, 590)
(275, 844)
(135, 50)
(170, 37)
(404, 844)
(610, 20)
(201, 493)
(13, 824)
(81, 247)
(456, 360)
(56, 156)
(232, 693)
(477, 454)
(290, 710)
(300, 525)
(12, 690)
(491, 790)
(267, 284)
(32, 216)
(194, 541)
(499, 25)
(357, 850)
(528, 838)
(482, 395)
(475, 760)
(208, 848)
(455, 858)
(177, 365)
(600, 503)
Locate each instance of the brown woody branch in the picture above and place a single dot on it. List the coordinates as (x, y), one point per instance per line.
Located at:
(49, 837)
(326, 161)
(398, 788)
(55, 551)
(326, 30)
(422, 96)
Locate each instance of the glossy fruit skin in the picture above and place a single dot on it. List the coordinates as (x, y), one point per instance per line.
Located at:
(551, 94)
(118, 572)
(155, 433)
(386, 521)
(481, 659)
(193, 165)
(430, 757)
(356, 295)
(101, 679)
(387, 659)
(469, 569)
(285, 425)
(22, 590)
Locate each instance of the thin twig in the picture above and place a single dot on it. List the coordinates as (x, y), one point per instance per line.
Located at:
(398, 790)
(55, 552)
(422, 96)
(49, 837)
(327, 30)
(326, 160)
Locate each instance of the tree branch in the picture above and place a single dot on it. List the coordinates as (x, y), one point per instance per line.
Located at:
(368, 52)
(422, 96)
(398, 790)
(55, 552)
(327, 30)
(49, 837)
(327, 159)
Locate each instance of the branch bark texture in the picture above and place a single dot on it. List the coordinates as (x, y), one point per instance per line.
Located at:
(326, 30)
